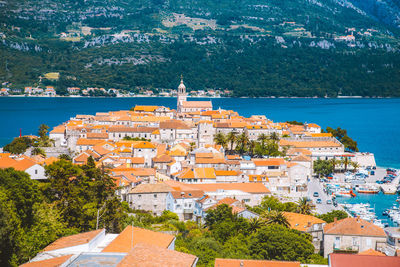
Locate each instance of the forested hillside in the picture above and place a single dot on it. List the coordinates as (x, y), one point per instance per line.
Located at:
(254, 48)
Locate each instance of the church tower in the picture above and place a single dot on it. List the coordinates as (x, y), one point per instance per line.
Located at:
(181, 96)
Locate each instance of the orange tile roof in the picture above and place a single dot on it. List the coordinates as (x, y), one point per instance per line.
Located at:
(306, 144)
(301, 222)
(97, 135)
(53, 262)
(58, 130)
(254, 263)
(313, 125)
(197, 104)
(256, 188)
(88, 142)
(23, 164)
(151, 188)
(145, 108)
(353, 226)
(73, 240)
(226, 173)
(302, 158)
(345, 260)
(145, 255)
(371, 252)
(162, 159)
(174, 124)
(321, 135)
(6, 162)
(258, 178)
(131, 236)
(187, 194)
(50, 160)
(269, 162)
(145, 145)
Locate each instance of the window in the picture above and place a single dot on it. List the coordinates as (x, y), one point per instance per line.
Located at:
(139, 196)
(354, 241)
(36, 171)
(369, 242)
(155, 206)
(155, 195)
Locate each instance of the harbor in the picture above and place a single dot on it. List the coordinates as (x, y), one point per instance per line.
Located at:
(371, 194)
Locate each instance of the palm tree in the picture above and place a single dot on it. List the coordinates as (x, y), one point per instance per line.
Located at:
(251, 147)
(334, 162)
(346, 161)
(241, 142)
(255, 224)
(220, 139)
(355, 165)
(274, 137)
(276, 217)
(38, 151)
(262, 138)
(231, 139)
(303, 207)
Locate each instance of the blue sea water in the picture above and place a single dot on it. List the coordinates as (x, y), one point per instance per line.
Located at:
(373, 123)
(380, 202)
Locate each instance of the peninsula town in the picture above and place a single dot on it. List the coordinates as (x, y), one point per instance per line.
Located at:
(254, 191)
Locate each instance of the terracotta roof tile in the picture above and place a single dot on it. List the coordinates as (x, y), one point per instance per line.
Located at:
(23, 164)
(256, 188)
(371, 252)
(151, 188)
(353, 226)
(131, 236)
(301, 222)
(73, 240)
(145, 255)
(254, 263)
(54, 262)
(345, 260)
(269, 162)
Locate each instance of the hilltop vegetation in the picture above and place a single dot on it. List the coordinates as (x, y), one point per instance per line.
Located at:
(267, 48)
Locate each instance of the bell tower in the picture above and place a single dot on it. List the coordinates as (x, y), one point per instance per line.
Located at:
(181, 95)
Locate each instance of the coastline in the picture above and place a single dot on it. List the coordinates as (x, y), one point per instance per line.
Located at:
(207, 97)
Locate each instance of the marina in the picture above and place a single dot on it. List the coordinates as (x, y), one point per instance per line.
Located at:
(373, 198)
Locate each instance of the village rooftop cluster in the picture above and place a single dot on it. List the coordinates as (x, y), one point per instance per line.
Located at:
(164, 159)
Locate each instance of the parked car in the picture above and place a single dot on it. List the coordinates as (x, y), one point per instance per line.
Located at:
(319, 201)
(328, 201)
(316, 194)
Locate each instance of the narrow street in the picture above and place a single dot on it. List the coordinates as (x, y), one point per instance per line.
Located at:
(315, 186)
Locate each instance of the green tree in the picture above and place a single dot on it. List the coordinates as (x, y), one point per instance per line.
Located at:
(330, 216)
(241, 143)
(220, 139)
(303, 206)
(19, 145)
(43, 130)
(231, 139)
(322, 167)
(219, 214)
(255, 224)
(275, 217)
(10, 231)
(38, 151)
(277, 242)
